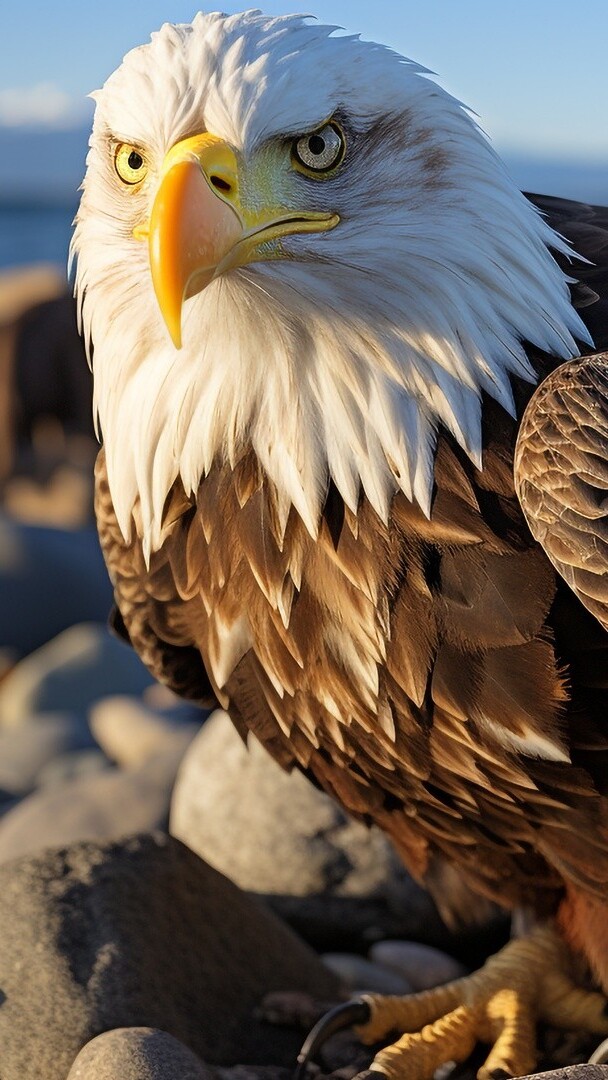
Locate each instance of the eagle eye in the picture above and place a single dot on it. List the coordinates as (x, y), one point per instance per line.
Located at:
(130, 164)
(320, 151)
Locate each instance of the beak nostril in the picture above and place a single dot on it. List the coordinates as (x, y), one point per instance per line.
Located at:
(219, 183)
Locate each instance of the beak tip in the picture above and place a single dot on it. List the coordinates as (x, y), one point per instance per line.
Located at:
(172, 318)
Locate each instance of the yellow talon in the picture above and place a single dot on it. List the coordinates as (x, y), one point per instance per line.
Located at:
(526, 982)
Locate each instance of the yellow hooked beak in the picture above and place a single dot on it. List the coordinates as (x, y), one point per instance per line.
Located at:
(199, 228)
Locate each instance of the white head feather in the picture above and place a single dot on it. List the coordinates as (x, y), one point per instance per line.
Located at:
(343, 360)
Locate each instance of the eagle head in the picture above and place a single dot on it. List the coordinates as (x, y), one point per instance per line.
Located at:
(295, 241)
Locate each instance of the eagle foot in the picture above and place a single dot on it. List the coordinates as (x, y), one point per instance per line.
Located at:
(526, 982)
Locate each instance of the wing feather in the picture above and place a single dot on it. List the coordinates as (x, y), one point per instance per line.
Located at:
(561, 475)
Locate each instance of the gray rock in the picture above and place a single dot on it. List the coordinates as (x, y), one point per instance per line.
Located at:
(355, 973)
(138, 1054)
(73, 766)
(25, 750)
(49, 580)
(139, 934)
(73, 670)
(275, 834)
(130, 733)
(548, 1070)
(110, 805)
(420, 965)
(573, 1072)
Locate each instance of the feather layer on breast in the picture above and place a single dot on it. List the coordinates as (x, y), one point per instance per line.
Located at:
(411, 669)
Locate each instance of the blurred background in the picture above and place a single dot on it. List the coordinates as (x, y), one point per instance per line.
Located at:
(536, 76)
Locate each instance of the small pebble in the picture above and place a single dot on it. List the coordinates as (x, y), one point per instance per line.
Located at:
(359, 974)
(444, 1071)
(72, 766)
(138, 1054)
(25, 750)
(158, 697)
(130, 733)
(422, 966)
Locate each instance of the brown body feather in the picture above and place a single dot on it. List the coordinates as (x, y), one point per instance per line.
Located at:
(436, 675)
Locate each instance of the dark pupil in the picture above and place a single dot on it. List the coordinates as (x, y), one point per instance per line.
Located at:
(316, 144)
(135, 160)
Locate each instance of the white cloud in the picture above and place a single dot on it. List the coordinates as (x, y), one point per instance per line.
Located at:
(43, 105)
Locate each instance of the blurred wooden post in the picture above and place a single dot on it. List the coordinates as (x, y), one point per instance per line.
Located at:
(20, 290)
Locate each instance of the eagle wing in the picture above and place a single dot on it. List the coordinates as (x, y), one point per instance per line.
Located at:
(561, 476)
(561, 459)
(586, 229)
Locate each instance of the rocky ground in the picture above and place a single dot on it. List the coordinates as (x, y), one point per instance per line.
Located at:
(159, 881)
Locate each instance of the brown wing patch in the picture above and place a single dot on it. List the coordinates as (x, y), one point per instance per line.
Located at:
(561, 468)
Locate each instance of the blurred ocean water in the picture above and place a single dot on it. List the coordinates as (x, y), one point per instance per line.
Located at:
(31, 233)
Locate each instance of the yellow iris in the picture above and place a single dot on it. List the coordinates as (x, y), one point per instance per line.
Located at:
(130, 164)
(319, 153)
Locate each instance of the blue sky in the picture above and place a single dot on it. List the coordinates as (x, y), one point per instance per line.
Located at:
(536, 72)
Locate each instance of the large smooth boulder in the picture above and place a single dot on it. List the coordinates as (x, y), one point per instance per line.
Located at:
(276, 835)
(140, 934)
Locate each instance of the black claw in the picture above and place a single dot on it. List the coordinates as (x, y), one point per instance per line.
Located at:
(343, 1016)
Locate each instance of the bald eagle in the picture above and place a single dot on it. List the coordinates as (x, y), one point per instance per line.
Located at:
(316, 308)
